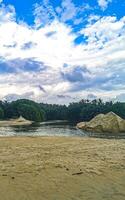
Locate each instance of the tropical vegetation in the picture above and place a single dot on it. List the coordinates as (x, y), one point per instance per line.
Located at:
(78, 111)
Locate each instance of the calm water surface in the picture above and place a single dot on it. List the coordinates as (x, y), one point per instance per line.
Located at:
(53, 128)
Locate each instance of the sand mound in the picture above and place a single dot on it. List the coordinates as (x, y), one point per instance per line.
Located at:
(109, 122)
(16, 122)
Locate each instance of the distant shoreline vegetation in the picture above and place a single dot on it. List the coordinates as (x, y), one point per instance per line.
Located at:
(84, 110)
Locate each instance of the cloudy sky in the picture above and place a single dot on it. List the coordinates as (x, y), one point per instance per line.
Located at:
(62, 51)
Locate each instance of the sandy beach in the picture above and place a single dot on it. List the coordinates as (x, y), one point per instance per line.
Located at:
(61, 168)
(15, 122)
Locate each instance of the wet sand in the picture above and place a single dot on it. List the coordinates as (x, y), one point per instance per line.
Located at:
(61, 168)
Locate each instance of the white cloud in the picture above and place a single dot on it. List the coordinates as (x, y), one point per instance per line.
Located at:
(104, 3)
(102, 56)
(93, 18)
(104, 30)
(69, 10)
(120, 97)
(7, 13)
(44, 13)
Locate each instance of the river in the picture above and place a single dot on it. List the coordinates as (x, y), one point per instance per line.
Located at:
(53, 128)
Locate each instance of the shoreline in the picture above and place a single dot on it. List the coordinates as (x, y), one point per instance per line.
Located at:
(15, 122)
(82, 137)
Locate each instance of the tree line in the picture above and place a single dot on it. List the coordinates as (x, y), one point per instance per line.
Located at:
(83, 110)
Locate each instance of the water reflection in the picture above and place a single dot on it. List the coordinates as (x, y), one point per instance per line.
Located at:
(51, 128)
(54, 128)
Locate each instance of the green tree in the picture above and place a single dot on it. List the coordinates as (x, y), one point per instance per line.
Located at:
(28, 109)
(29, 112)
(1, 113)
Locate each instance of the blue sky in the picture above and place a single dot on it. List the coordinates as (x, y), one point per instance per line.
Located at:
(62, 51)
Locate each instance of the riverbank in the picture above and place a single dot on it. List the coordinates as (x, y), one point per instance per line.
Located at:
(62, 168)
(15, 122)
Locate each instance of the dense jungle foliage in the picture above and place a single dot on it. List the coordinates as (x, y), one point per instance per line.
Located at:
(78, 111)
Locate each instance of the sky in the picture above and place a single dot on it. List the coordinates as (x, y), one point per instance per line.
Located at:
(62, 51)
